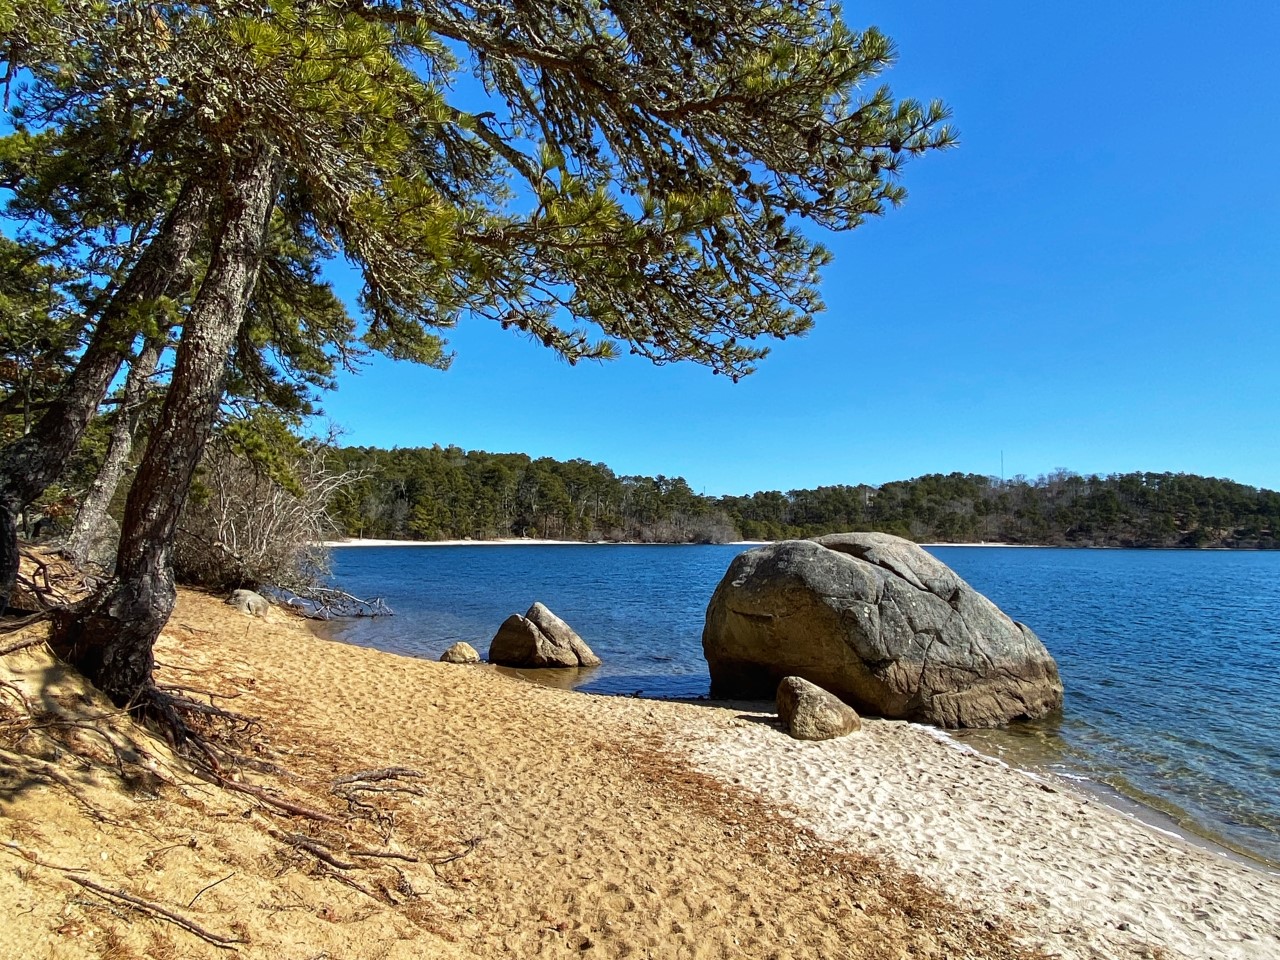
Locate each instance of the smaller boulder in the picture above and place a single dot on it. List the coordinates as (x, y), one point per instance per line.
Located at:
(561, 635)
(811, 713)
(250, 603)
(539, 639)
(461, 652)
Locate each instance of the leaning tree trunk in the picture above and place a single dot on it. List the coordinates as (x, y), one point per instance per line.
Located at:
(109, 637)
(91, 519)
(31, 463)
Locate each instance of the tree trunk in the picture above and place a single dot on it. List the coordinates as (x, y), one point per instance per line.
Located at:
(90, 526)
(31, 463)
(110, 637)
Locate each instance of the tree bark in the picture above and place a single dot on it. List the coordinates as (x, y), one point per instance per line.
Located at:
(90, 526)
(110, 636)
(30, 464)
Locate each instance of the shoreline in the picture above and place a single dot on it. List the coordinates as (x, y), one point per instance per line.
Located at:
(1033, 841)
(1135, 808)
(563, 823)
(542, 542)
(525, 542)
(1132, 807)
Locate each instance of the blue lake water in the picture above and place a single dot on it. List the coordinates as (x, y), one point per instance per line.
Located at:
(1171, 659)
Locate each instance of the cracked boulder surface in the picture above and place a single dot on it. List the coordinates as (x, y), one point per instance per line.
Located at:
(879, 622)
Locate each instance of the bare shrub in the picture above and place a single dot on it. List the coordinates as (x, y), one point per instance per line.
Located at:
(245, 526)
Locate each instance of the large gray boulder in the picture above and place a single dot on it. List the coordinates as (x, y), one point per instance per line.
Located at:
(539, 639)
(882, 624)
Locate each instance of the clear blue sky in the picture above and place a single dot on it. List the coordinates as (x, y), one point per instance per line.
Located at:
(1091, 280)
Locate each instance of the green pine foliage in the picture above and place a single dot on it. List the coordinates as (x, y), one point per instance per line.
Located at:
(40, 327)
(620, 187)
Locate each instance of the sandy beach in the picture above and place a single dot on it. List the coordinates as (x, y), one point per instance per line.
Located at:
(391, 807)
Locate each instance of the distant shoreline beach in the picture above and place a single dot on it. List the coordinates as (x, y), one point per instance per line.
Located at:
(519, 542)
(539, 542)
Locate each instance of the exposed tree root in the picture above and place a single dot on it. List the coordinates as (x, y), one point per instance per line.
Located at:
(288, 806)
(317, 849)
(354, 884)
(205, 734)
(47, 581)
(13, 626)
(14, 691)
(148, 907)
(60, 732)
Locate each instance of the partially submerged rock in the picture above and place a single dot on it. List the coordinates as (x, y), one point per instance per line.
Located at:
(539, 639)
(880, 623)
(810, 713)
(460, 652)
(248, 602)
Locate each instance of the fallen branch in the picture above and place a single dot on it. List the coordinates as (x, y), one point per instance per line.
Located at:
(373, 776)
(327, 603)
(367, 781)
(384, 854)
(156, 910)
(364, 780)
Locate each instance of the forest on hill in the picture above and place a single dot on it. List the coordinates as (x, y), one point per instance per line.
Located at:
(437, 493)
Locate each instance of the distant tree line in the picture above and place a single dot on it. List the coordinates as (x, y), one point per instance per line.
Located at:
(444, 493)
(437, 493)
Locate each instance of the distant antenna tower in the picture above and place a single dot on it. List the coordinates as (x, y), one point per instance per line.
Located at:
(1002, 468)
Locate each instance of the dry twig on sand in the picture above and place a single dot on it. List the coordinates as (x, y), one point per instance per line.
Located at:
(465, 851)
(205, 889)
(156, 910)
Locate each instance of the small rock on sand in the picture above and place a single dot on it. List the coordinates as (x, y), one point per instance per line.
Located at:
(248, 602)
(811, 713)
(460, 652)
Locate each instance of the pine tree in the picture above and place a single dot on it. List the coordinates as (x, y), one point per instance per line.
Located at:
(620, 186)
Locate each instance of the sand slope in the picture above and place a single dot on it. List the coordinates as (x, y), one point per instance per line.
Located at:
(531, 822)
